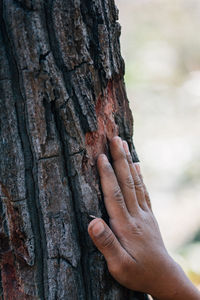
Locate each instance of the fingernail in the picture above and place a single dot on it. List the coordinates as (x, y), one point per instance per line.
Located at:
(97, 228)
(93, 217)
(117, 140)
(103, 158)
(126, 148)
(120, 141)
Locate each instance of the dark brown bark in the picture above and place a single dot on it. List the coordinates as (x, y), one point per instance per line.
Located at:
(62, 97)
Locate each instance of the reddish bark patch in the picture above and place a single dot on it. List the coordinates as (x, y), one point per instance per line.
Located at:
(12, 248)
(17, 237)
(11, 287)
(106, 108)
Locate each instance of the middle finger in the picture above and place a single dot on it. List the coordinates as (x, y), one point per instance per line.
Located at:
(123, 174)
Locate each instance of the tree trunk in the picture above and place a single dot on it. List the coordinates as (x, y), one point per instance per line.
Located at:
(62, 98)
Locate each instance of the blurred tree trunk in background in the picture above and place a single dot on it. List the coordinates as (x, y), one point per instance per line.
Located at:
(62, 97)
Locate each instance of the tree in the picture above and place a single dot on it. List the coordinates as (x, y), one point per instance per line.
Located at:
(62, 97)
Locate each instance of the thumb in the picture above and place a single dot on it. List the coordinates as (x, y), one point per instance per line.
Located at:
(105, 241)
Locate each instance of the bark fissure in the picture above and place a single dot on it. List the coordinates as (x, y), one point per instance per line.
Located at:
(6, 78)
(19, 200)
(28, 6)
(65, 71)
(77, 66)
(78, 152)
(104, 4)
(63, 258)
(48, 157)
(65, 155)
(83, 257)
(28, 155)
(43, 56)
(92, 19)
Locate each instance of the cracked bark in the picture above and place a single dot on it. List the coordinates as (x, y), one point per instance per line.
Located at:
(62, 98)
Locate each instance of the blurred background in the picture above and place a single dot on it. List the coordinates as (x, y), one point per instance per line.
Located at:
(160, 43)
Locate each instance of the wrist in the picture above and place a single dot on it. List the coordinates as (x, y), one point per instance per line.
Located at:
(176, 285)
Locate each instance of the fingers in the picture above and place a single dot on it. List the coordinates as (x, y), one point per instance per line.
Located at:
(113, 197)
(123, 174)
(147, 198)
(106, 242)
(123, 188)
(141, 191)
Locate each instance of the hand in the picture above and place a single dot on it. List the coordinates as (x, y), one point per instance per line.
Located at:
(132, 245)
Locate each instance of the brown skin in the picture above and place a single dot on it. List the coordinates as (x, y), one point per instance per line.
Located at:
(132, 245)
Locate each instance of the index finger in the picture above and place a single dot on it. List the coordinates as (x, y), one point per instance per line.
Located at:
(113, 197)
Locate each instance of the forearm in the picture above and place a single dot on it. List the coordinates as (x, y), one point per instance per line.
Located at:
(189, 293)
(178, 287)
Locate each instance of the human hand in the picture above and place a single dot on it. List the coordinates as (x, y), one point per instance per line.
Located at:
(132, 245)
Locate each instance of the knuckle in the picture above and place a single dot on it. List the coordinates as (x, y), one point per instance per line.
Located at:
(129, 183)
(129, 158)
(117, 194)
(119, 156)
(137, 182)
(139, 188)
(141, 178)
(108, 240)
(135, 229)
(107, 168)
(115, 139)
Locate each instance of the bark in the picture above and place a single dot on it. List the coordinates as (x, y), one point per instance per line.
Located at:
(62, 97)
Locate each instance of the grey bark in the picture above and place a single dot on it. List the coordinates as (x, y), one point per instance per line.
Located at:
(62, 98)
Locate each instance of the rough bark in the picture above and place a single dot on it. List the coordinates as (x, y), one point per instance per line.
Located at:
(62, 98)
